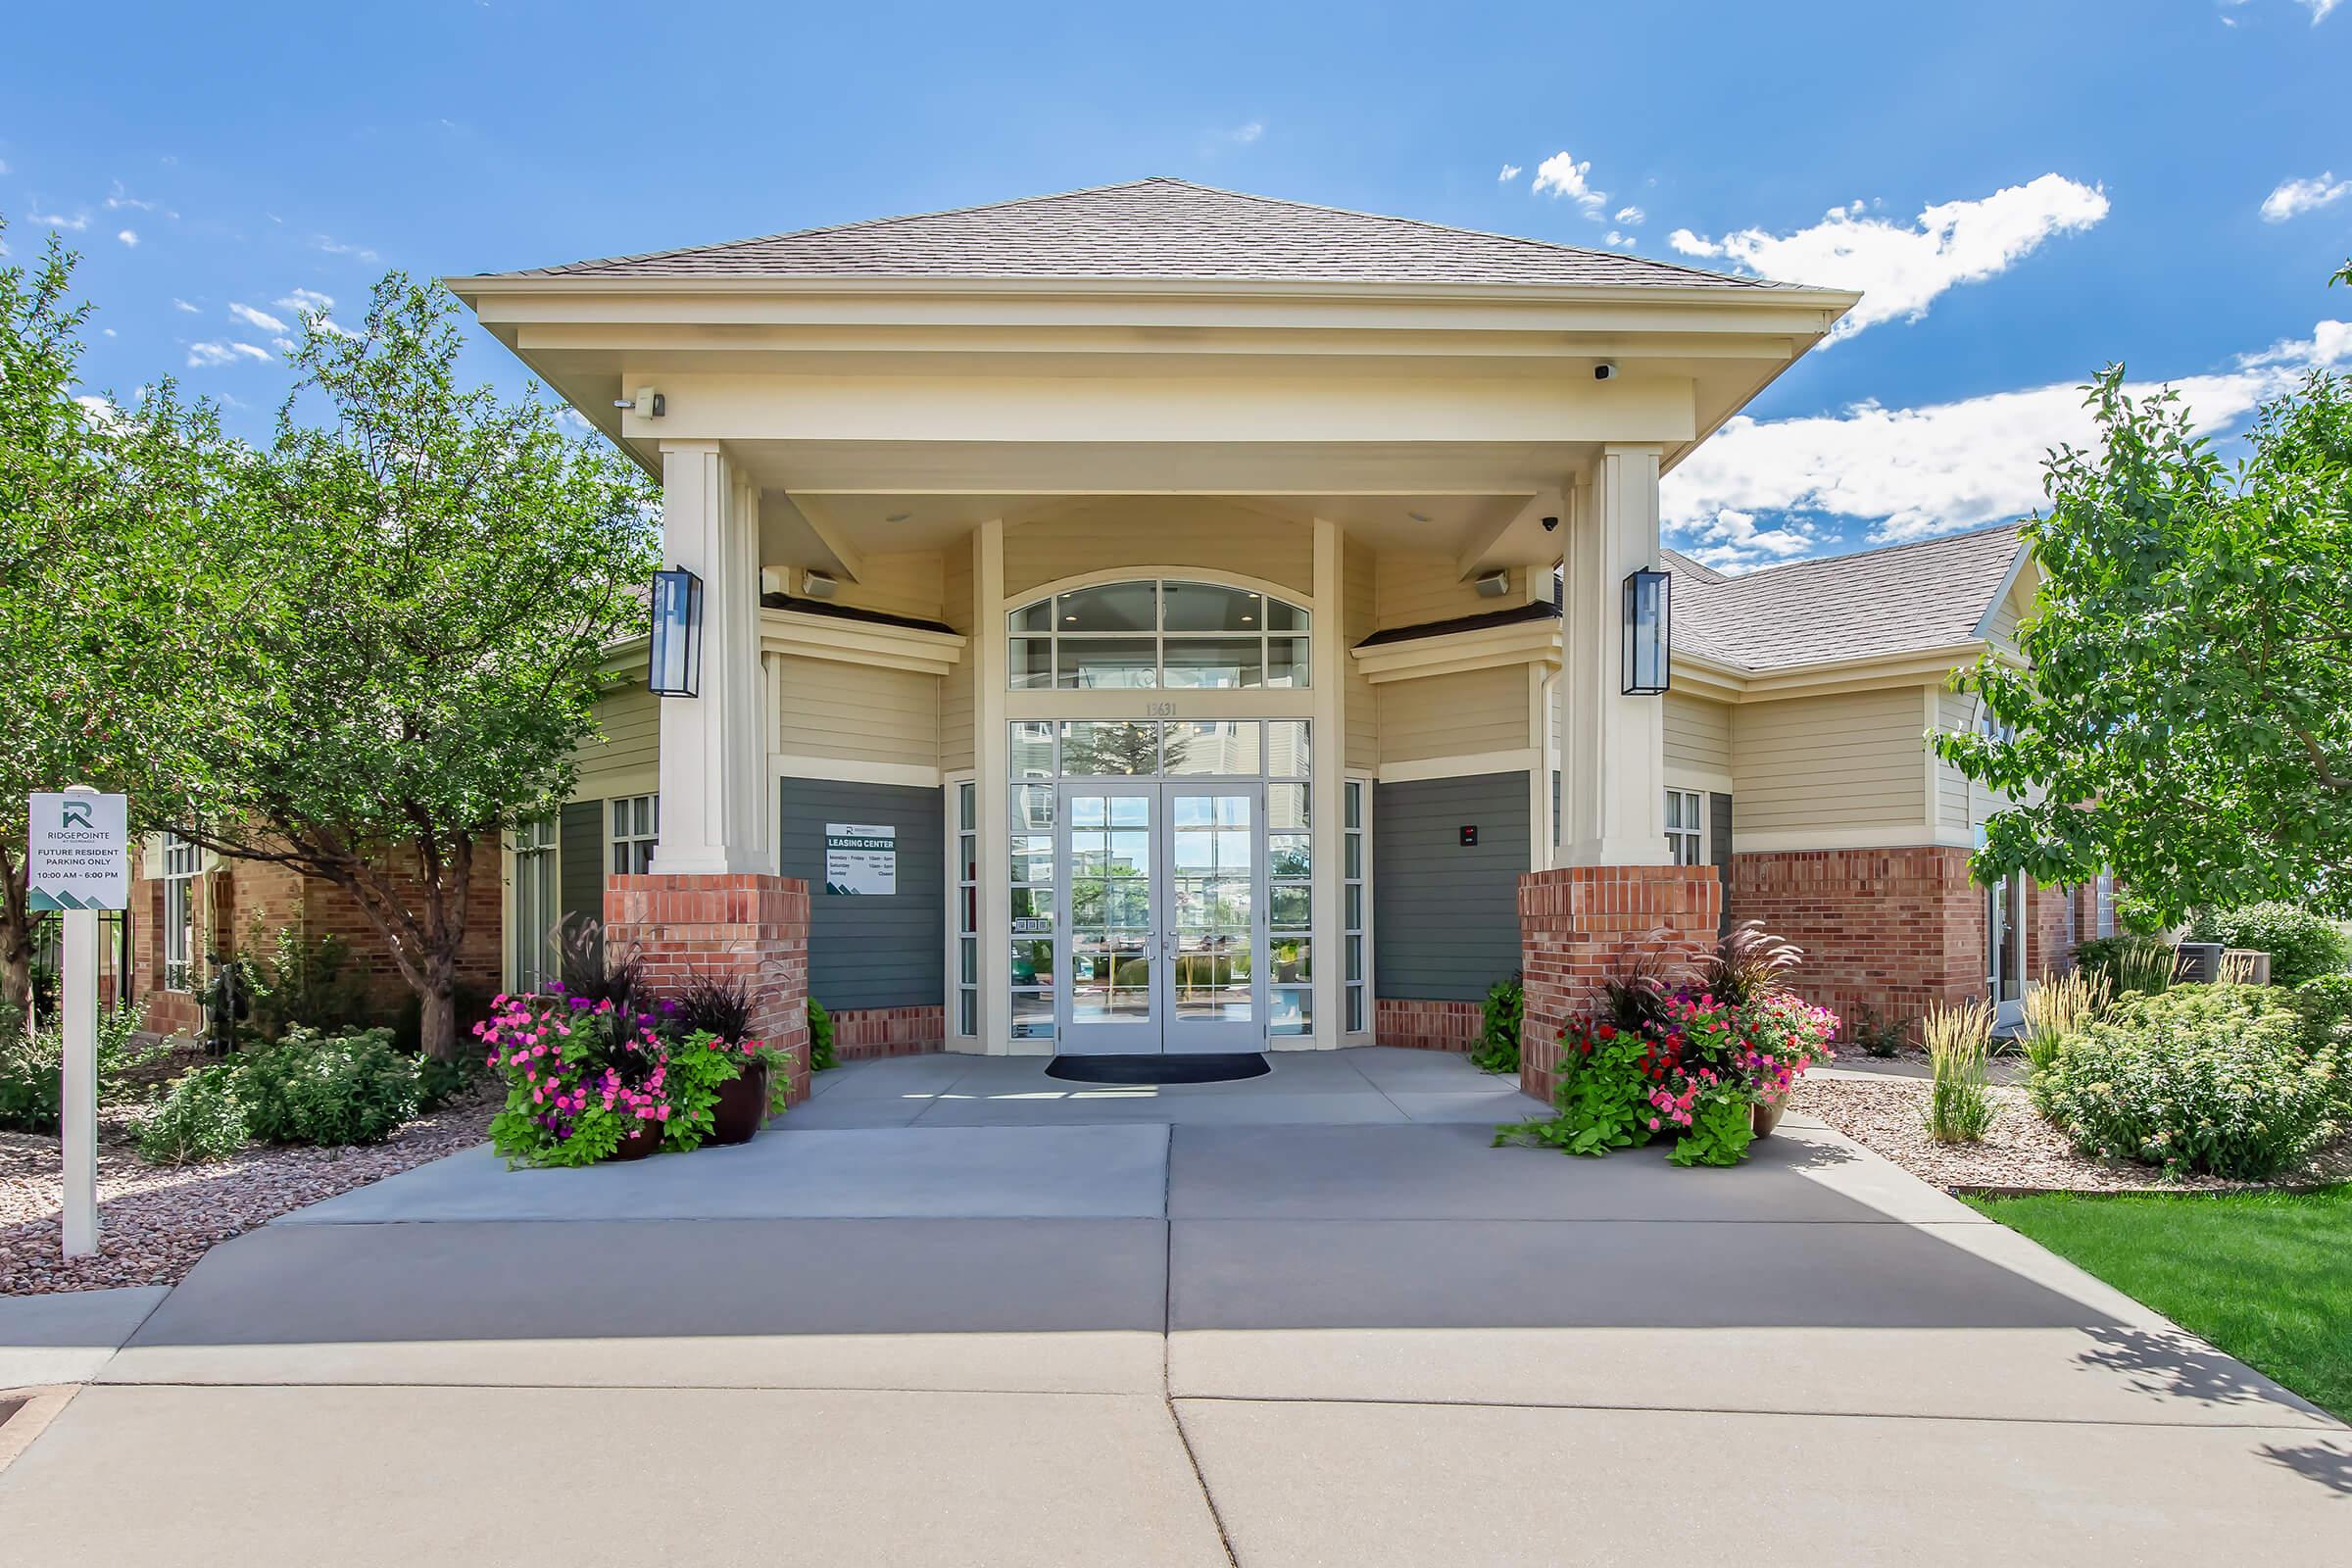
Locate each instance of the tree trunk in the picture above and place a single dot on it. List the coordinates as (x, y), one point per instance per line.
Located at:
(16, 939)
(437, 1032)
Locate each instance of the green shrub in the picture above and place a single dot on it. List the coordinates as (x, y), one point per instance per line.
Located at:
(327, 1090)
(2218, 1079)
(297, 981)
(202, 1118)
(2324, 1004)
(439, 1082)
(2140, 966)
(33, 1066)
(820, 1037)
(1877, 1034)
(2302, 945)
(1498, 1047)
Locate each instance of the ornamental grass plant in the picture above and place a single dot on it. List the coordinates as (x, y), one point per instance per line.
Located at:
(1959, 1041)
(2059, 1007)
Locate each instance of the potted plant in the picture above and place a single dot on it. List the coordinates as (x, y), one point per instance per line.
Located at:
(723, 1059)
(567, 1103)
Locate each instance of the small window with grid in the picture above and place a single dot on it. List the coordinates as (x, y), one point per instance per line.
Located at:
(636, 829)
(1686, 827)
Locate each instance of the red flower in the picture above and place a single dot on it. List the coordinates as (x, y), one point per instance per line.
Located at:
(1604, 1032)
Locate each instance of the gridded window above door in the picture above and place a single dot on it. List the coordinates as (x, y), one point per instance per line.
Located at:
(636, 827)
(1156, 635)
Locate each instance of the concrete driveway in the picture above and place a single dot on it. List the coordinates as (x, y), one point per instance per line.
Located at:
(957, 1312)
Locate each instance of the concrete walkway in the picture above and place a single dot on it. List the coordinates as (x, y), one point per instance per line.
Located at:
(954, 1311)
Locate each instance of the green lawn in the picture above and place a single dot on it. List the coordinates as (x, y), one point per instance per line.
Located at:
(2265, 1276)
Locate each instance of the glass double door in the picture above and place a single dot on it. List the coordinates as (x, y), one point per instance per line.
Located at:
(1161, 931)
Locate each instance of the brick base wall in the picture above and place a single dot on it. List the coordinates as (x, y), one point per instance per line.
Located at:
(1576, 922)
(1886, 932)
(1427, 1025)
(862, 1033)
(751, 925)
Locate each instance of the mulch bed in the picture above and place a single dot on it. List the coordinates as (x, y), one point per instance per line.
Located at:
(155, 1221)
(2021, 1153)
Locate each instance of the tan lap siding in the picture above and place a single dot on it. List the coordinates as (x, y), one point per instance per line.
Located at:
(1850, 761)
(628, 757)
(1699, 734)
(1465, 714)
(906, 584)
(858, 713)
(1412, 590)
(1148, 532)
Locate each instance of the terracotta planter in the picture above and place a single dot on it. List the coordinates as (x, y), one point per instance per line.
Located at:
(646, 1140)
(742, 1107)
(1766, 1115)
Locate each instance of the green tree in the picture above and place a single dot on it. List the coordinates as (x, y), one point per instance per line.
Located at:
(2184, 710)
(97, 649)
(433, 575)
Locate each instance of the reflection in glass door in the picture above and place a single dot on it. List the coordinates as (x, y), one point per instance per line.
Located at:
(2005, 944)
(1214, 892)
(1111, 933)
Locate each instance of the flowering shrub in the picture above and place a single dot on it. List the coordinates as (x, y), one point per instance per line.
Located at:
(580, 1077)
(2222, 1079)
(1692, 1070)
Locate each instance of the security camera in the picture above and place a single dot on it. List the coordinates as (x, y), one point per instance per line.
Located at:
(1605, 370)
(1551, 523)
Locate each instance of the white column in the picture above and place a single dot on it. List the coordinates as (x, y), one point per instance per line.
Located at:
(1614, 752)
(992, 793)
(1327, 747)
(717, 812)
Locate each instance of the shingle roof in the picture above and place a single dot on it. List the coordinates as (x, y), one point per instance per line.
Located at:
(1908, 597)
(1155, 228)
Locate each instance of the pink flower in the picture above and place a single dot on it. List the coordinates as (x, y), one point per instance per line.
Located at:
(663, 1113)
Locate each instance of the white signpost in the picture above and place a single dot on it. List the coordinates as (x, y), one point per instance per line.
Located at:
(80, 864)
(861, 857)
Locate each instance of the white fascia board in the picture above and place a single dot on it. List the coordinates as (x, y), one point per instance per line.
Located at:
(856, 642)
(1532, 641)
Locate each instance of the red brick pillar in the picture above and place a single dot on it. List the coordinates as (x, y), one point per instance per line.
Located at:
(751, 925)
(1576, 921)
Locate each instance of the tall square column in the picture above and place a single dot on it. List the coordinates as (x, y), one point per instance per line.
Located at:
(1613, 754)
(717, 811)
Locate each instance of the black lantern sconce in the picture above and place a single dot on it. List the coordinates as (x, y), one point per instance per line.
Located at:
(1649, 633)
(674, 667)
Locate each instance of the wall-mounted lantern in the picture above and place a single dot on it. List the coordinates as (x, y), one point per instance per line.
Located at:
(1649, 633)
(675, 665)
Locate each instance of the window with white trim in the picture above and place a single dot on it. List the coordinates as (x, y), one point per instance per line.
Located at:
(1124, 636)
(1354, 893)
(636, 827)
(1686, 827)
(967, 910)
(181, 862)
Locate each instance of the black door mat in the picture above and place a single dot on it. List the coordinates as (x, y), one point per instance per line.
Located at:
(1223, 1066)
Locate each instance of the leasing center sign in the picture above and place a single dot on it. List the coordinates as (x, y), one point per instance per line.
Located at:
(860, 857)
(80, 855)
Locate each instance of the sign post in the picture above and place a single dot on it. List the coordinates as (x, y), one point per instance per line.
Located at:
(79, 863)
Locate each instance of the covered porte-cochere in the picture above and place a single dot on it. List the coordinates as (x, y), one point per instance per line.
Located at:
(1209, 655)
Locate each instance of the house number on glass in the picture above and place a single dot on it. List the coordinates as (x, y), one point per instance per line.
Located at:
(1159, 710)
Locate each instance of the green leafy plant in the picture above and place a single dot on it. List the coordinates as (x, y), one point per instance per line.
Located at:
(327, 1090)
(32, 1067)
(1959, 1041)
(1721, 1127)
(1597, 1101)
(2324, 1004)
(1497, 1047)
(2219, 1079)
(2302, 945)
(1876, 1033)
(440, 1082)
(577, 1081)
(202, 1119)
(297, 980)
(820, 1043)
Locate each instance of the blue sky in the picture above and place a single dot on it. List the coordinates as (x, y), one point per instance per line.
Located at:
(2163, 182)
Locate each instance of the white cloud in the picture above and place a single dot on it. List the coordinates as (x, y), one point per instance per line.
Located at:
(183, 305)
(260, 320)
(307, 299)
(2319, 9)
(336, 247)
(73, 224)
(2295, 197)
(1613, 237)
(1632, 215)
(1900, 268)
(1561, 174)
(119, 199)
(1909, 473)
(1510, 171)
(128, 236)
(204, 354)
(1244, 134)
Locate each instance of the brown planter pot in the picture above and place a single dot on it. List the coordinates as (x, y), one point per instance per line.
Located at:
(639, 1143)
(742, 1107)
(1766, 1117)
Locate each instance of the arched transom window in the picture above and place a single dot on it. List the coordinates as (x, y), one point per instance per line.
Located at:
(1176, 635)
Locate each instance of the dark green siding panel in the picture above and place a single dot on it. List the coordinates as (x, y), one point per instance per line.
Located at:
(1719, 851)
(1445, 918)
(580, 861)
(871, 950)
